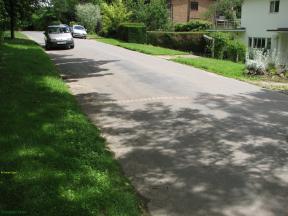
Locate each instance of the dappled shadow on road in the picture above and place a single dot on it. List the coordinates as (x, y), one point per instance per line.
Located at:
(211, 155)
(77, 68)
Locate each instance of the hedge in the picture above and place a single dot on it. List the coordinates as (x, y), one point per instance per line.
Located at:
(185, 41)
(194, 25)
(132, 32)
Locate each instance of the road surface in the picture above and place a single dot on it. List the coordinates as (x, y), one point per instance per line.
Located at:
(191, 142)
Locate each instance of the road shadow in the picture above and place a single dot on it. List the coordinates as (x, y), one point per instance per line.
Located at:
(217, 155)
(72, 69)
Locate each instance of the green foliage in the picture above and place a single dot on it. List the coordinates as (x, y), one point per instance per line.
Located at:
(73, 23)
(61, 163)
(132, 32)
(112, 16)
(227, 47)
(2, 20)
(153, 14)
(194, 25)
(186, 41)
(88, 15)
(220, 45)
(236, 51)
(42, 18)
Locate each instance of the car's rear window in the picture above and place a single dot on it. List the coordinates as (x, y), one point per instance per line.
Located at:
(79, 28)
(58, 30)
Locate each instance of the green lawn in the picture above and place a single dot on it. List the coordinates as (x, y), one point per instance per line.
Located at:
(222, 67)
(52, 159)
(236, 71)
(143, 48)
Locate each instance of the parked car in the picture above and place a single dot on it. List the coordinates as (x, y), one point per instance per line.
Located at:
(79, 31)
(58, 36)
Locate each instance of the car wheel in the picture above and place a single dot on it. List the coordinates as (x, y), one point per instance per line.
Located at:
(47, 46)
(72, 47)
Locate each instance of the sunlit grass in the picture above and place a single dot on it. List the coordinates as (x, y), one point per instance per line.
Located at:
(60, 161)
(143, 48)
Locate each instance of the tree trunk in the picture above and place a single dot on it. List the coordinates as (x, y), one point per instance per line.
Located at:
(12, 18)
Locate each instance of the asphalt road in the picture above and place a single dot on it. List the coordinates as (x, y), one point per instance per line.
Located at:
(192, 143)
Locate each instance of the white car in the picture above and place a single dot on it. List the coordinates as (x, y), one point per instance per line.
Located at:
(58, 36)
(79, 31)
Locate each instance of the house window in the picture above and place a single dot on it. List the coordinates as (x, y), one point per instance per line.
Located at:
(194, 5)
(259, 43)
(274, 6)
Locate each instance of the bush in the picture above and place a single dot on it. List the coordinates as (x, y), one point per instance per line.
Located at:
(185, 41)
(132, 32)
(113, 15)
(88, 15)
(236, 51)
(153, 13)
(261, 62)
(226, 47)
(195, 25)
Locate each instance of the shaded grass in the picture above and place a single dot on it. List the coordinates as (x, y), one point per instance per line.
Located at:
(143, 48)
(233, 70)
(53, 161)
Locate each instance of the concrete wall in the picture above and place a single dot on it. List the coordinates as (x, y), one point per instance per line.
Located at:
(181, 10)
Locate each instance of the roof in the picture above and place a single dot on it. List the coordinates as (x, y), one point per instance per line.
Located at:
(228, 30)
(278, 30)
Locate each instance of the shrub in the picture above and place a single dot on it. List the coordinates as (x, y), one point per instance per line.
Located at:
(226, 47)
(132, 32)
(220, 44)
(260, 62)
(88, 15)
(185, 41)
(194, 25)
(236, 51)
(153, 14)
(113, 15)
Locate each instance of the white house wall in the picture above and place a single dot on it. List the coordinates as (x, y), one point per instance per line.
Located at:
(257, 19)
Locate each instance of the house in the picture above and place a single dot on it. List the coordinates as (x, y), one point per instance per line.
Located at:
(266, 25)
(186, 10)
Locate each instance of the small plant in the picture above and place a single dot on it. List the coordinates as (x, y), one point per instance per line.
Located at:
(265, 62)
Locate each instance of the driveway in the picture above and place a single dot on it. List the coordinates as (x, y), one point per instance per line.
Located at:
(191, 142)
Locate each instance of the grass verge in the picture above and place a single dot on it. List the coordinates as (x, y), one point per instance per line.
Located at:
(143, 48)
(234, 70)
(53, 161)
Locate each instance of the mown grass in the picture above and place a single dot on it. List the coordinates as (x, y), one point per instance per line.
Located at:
(234, 70)
(222, 67)
(53, 161)
(143, 48)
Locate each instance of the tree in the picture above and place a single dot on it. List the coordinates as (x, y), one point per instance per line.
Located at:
(228, 8)
(2, 20)
(88, 15)
(154, 13)
(20, 9)
(113, 15)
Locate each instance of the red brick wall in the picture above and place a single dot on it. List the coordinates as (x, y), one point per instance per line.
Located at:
(181, 10)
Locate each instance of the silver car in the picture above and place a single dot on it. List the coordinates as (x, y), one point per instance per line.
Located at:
(79, 31)
(58, 36)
